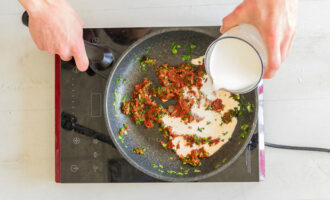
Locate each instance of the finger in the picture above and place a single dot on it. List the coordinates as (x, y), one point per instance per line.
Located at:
(64, 53)
(233, 19)
(66, 58)
(79, 54)
(274, 54)
(290, 43)
(284, 46)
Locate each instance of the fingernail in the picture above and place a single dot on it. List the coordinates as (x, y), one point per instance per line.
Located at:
(221, 29)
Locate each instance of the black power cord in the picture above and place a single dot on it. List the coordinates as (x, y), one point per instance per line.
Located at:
(279, 146)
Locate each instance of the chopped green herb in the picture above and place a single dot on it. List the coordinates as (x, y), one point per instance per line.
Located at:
(217, 166)
(126, 146)
(116, 116)
(242, 136)
(190, 48)
(161, 166)
(121, 139)
(171, 158)
(179, 173)
(124, 98)
(185, 58)
(208, 108)
(148, 49)
(115, 107)
(197, 170)
(171, 171)
(245, 127)
(224, 160)
(124, 81)
(161, 171)
(139, 120)
(229, 139)
(225, 133)
(175, 48)
(119, 79)
(208, 123)
(200, 129)
(116, 95)
(249, 107)
(154, 166)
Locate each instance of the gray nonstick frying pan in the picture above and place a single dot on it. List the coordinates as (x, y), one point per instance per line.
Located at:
(157, 161)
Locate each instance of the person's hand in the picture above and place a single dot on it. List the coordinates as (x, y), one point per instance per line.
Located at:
(276, 20)
(55, 27)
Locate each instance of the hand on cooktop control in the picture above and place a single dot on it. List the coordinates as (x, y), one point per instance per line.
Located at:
(56, 28)
(276, 20)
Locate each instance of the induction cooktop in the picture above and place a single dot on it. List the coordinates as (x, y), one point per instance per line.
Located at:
(84, 151)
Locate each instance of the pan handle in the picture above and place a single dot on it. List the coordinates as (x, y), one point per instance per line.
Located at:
(102, 56)
(69, 122)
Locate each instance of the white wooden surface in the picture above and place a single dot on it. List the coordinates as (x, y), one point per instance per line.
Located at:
(296, 106)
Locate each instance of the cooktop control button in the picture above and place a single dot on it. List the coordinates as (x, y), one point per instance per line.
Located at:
(74, 168)
(76, 140)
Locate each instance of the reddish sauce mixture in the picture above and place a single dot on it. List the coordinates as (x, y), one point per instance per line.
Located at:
(174, 80)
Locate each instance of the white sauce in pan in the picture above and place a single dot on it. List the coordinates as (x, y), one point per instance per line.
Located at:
(211, 123)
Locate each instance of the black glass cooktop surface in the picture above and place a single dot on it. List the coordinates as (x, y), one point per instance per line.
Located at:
(86, 152)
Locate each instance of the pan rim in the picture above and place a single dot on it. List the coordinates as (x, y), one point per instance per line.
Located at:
(120, 148)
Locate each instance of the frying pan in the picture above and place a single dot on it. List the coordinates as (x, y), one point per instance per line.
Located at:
(158, 162)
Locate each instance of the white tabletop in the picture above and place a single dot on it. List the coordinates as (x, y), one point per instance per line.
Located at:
(296, 106)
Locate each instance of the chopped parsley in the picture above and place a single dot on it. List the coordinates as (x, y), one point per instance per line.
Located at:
(116, 95)
(119, 79)
(208, 123)
(244, 128)
(185, 57)
(124, 98)
(249, 107)
(197, 170)
(224, 160)
(175, 48)
(200, 129)
(154, 166)
(190, 48)
(217, 166)
(139, 120)
(225, 133)
(171, 172)
(148, 49)
(121, 138)
(116, 116)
